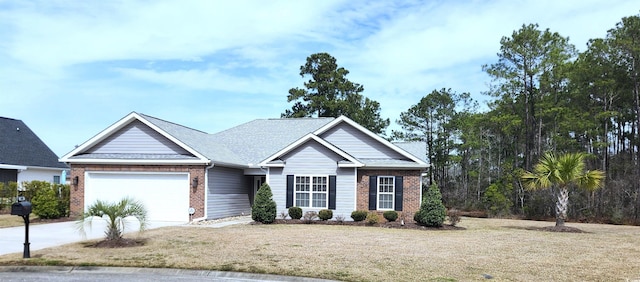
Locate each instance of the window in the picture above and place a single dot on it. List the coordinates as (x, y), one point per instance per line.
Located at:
(56, 179)
(385, 192)
(311, 191)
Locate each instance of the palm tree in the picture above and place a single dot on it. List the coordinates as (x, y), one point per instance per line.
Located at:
(114, 214)
(562, 173)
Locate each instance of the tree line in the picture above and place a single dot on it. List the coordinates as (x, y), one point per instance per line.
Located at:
(546, 97)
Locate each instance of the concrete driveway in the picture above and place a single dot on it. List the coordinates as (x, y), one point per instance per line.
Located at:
(55, 234)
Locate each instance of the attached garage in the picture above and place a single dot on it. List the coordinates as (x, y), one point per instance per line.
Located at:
(164, 194)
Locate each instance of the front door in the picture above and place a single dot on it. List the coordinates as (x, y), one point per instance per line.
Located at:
(257, 182)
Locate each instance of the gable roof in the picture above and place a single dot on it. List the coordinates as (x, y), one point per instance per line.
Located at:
(175, 133)
(256, 140)
(348, 161)
(372, 135)
(253, 144)
(20, 146)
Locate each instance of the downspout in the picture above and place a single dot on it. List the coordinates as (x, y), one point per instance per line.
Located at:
(206, 193)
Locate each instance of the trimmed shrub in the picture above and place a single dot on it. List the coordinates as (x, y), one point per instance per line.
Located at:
(45, 204)
(325, 214)
(359, 215)
(309, 216)
(390, 215)
(7, 194)
(432, 211)
(49, 200)
(454, 216)
(295, 212)
(264, 207)
(372, 218)
(64, 199)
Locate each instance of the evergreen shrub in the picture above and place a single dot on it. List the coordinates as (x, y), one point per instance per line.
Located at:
(295, 212)
(264, 207)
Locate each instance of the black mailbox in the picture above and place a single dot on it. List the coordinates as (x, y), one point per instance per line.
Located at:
(21, 208)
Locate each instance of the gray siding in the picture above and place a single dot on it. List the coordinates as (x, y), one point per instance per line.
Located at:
(226, 205)
(358, 144)
(227, 193)
(137, 138)
(312, 158)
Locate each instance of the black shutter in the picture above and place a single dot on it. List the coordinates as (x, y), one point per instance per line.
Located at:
(332, 192)
(290, 181)
(398, 192)
(373, 192)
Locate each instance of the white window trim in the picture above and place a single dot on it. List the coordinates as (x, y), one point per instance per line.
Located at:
(393, 196)
(311, 176)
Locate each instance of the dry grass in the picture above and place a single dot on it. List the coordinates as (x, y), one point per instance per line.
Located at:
(504, 249)
(7, 220)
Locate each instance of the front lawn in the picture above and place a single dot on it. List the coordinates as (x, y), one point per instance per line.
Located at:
(503, 249)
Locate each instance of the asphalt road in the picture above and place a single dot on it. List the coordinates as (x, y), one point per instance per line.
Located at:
(109, 274)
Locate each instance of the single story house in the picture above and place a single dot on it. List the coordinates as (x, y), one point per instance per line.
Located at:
(183, 174)
(24, 157)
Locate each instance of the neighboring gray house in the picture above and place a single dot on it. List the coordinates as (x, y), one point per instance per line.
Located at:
(24, 157)
(313, 163)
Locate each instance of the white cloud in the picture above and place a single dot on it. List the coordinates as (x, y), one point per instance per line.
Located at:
(76, 67)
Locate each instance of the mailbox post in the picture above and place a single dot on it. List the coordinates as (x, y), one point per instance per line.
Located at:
(23, 209)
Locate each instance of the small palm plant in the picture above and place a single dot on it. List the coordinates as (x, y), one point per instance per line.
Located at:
(114, 214)
(563, 173)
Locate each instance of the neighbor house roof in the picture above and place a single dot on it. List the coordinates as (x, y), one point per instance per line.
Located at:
(19, 146)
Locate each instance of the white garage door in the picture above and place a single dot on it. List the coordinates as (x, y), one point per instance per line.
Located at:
(165, 195)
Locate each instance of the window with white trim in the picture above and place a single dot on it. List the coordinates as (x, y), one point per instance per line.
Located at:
(386, 186)
(311, 191)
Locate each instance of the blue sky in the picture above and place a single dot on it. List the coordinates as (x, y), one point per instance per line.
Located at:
(69, 69)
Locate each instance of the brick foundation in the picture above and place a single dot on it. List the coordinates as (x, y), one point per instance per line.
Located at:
(196, 195)
(410, 194)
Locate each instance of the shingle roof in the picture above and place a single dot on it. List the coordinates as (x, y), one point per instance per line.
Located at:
(21, 146)
(248, 144)
(417, 149)
(199, 141)
(256, 140)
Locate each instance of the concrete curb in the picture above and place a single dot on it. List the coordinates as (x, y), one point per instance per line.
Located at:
(165, 272)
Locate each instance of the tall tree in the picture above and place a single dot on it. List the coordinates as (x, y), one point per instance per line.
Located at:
(563, 173)
(328, 93)
(529, 67)
(625, 38)
(434, 121)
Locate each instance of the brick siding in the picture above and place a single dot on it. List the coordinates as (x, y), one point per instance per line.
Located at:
(196, 195)
(410, 194)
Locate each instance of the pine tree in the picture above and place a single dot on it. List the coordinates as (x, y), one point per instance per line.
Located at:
(264, 207)
(432, 212)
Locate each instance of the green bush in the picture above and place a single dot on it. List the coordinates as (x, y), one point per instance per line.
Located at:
(496, 200)
(8, 193)
(432, 211)
(295, 212)
(264, 207)
(390, 215)
(358, 215)
(372, 218)
(45, 203)
(325, 214)
(64, 199)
